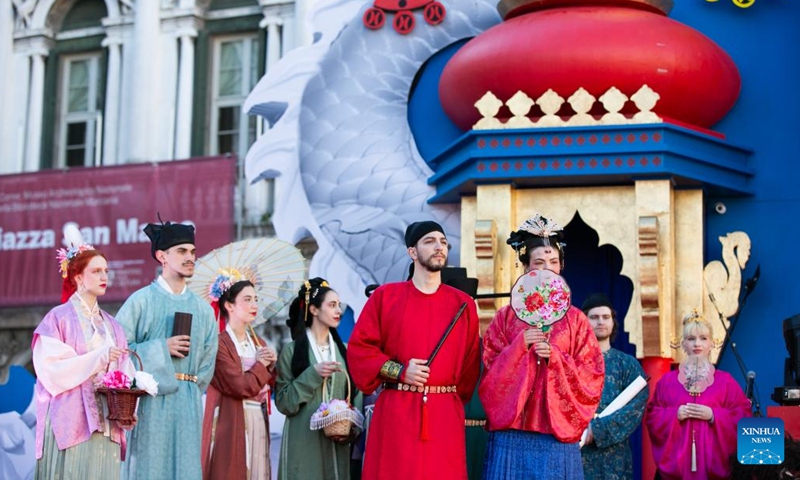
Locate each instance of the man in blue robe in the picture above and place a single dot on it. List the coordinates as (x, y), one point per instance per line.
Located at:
(166, 441)
(607, 452)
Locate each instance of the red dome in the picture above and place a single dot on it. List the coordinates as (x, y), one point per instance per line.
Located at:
(594, 47)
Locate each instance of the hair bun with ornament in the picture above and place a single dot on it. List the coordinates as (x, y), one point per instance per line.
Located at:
(537, 231)
(312, 287)
(540, 226)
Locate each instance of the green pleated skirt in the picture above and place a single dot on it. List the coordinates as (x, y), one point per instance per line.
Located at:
(98, 458)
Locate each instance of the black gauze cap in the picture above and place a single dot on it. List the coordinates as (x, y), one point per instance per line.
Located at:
(417, 230)
(168, 235)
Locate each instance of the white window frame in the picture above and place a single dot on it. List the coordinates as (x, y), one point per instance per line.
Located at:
(92, 117)
(218, 102)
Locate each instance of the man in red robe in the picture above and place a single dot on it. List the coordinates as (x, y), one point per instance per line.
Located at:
(539, 391)
(417, 430)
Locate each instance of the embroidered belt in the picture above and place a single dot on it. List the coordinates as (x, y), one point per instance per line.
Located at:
(404, 387)
(186, 377)
(474, 423)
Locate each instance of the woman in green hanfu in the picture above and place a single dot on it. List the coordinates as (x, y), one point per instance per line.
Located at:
(316, 357)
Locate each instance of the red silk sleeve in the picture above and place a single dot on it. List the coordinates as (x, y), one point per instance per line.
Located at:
(471, 367)
(574, 380)
(364, 355)
(509, 372)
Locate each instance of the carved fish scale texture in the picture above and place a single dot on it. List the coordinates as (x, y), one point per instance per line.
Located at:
(346, 166)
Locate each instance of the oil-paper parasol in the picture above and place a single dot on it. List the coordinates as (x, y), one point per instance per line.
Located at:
(275, 267)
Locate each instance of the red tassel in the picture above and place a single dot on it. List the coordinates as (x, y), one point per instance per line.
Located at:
(424, 435)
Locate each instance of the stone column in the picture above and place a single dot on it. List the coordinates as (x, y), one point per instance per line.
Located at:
(183, 122)
(146, 63)
(7, 114)
(19, 110)
(33, 140)
(112, 103)
(272, 23)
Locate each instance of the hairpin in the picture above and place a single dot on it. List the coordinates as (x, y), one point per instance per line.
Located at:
(541, 227)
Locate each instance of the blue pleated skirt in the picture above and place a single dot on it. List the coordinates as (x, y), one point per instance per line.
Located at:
(515, 454)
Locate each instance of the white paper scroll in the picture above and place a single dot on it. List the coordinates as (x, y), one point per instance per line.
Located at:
(622, 399)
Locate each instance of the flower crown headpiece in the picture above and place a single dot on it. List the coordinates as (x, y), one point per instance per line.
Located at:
(65, 255)
(225, 279)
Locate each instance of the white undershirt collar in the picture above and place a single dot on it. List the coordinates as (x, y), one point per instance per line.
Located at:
(161, 281)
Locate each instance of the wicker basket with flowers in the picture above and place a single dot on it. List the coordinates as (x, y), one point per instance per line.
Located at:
(336, 417)
(122, 391)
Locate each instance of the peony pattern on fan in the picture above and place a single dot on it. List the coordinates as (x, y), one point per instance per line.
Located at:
(540, 298)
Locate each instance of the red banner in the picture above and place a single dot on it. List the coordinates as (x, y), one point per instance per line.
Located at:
(111, 205)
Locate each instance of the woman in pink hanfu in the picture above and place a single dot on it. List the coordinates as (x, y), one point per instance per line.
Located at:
(73, 346)
(693, 414)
